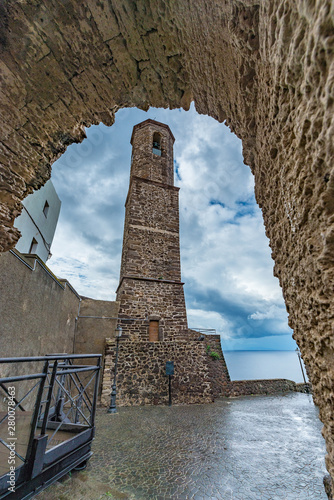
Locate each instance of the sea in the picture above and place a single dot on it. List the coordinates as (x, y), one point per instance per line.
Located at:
(248, 365)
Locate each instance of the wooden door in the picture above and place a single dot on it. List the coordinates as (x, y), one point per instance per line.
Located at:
(153, 331)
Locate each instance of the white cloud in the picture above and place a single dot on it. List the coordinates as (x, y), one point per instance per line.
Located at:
(273, 312)
(199, 318)
(88, 268)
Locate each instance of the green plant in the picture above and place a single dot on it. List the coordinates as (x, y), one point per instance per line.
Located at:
(213, 354)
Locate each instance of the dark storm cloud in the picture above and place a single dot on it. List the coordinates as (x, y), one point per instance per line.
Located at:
(237, 314)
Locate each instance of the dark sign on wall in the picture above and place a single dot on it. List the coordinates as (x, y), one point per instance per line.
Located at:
(169, 367)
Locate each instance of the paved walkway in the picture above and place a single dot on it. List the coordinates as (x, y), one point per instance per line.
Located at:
(252, 448)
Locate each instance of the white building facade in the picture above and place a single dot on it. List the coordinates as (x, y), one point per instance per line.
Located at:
(37, 222)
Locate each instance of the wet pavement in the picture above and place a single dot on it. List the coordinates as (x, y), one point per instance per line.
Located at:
(250, 448)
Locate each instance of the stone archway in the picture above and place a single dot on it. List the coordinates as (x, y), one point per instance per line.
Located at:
(265, 67)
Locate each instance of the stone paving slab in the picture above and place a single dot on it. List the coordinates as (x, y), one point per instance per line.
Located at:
(251, 448)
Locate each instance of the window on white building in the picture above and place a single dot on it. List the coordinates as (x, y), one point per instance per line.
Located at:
(46, 209)
(33, 246)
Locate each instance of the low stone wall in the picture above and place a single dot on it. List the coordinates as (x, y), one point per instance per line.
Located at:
(141, 378)
(97, 320)
(271, 386)
(306, 388)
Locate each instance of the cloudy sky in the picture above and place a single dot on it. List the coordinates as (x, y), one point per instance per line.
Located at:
(225, 255)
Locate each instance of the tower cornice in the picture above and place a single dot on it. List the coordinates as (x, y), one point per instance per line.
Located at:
(146, 278)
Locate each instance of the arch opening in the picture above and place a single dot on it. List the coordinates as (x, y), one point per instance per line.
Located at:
(219, 216)
(156, 148)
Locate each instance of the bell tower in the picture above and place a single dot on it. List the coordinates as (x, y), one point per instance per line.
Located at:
(152, 311)
(150, 291)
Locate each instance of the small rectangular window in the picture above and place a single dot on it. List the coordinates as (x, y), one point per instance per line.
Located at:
(46, 209)
(33, 246)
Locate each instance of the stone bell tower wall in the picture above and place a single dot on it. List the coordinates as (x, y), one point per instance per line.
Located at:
(151, 246)
(143, 300)
(150, 286)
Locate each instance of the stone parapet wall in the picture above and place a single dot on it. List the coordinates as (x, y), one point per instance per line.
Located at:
(141, 378)
(306, 388)
(270, 386)
(218, 371)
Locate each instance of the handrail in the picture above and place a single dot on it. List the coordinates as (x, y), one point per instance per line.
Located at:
(48, 358)
(18, 378)
(204, 330)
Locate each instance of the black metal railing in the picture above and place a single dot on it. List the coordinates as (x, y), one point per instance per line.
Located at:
(47, 419)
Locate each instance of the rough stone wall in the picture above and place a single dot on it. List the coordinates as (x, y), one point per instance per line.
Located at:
(151, 245)
(265, 67)
(293, 167)
(141, 371)
(152, 299)
(218, 371)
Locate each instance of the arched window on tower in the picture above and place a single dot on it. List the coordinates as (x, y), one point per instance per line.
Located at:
(156, 144)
